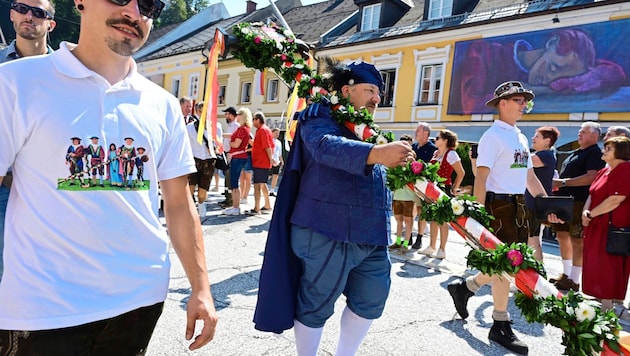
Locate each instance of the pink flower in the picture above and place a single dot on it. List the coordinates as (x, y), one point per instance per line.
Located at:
(417, 167)
(516, 257)
(257, 40)
(313, 81)
(283, 57)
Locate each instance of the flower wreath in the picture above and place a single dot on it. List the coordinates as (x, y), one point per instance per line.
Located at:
(262, 46)
(586, 328)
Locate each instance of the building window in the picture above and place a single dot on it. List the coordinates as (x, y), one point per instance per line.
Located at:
(440, 8)
(389, 80)
(193, 87)
(246, 92)
(371, 17)
(222, 95)
(272, 90)
(430, 84)
(175, 83)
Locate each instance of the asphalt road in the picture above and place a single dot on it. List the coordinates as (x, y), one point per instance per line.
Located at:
(419, 317)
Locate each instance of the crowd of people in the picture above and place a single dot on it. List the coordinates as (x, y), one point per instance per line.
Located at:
(331, 219)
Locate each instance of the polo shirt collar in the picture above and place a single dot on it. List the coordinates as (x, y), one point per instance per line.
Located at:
(505, 126)
(70, 66)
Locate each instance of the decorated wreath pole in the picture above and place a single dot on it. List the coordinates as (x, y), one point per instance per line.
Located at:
(528, 281)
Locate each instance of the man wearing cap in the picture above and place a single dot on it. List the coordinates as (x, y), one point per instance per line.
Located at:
(74, 160)
(499, 186)
(232, 125)
(95, 275)
(96, 154)
(335, 206)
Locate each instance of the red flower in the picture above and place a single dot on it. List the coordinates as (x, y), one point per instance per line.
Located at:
(515, 257)
(257, 40)
(417, 167)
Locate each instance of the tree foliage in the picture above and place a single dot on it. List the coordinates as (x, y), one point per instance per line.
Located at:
(177, 11)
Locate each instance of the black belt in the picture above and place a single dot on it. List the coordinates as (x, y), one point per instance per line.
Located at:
(492, 196)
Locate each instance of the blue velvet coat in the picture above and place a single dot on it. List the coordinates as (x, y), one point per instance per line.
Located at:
(327, 187)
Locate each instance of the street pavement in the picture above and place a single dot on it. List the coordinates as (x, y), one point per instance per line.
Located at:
(419, 318)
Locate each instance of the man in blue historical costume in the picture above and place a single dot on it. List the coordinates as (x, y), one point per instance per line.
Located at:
(330, 229)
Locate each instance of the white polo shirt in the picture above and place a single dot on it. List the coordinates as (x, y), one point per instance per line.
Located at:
(505, 150)
(74, 256)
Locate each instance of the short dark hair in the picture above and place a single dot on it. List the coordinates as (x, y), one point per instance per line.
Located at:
(621, 145)
(260, 116)
(405, 137)
(550, 132)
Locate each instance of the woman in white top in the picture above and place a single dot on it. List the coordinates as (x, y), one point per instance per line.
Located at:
(446, 142)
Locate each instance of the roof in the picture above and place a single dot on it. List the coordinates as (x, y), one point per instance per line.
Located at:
(309, 22)
(412, 22)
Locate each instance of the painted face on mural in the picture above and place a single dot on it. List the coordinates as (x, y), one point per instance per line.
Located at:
(551, 66)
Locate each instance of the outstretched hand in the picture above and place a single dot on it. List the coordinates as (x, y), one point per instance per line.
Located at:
(392, 154)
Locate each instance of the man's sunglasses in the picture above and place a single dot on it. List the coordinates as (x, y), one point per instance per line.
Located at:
(36, 11)
(149, 8)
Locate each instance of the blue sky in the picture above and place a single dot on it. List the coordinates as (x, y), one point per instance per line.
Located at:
(236, 7)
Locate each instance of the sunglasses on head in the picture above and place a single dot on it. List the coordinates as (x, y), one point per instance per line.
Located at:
(149, 8)
(36, 11)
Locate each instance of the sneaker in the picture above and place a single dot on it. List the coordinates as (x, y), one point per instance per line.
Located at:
(567, 284)
(501, 333)
(232, 211)
(427, 251)
(418, 243)
(460, 294)
(243, 201)
(393, 246)
(201, 208)
(226, 204)
(558, 279)
(440, 254)
(403, 249)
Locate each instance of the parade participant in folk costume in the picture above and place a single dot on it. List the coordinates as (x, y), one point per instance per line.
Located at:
(333, 209)
(95, 285)
(127, 159)
(499, 186)
(97, 158)
(140, 160)
(74, 160)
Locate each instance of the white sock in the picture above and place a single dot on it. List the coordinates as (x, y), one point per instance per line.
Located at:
(306, 339)
(353, 331)
(566, 266)
(576, 274)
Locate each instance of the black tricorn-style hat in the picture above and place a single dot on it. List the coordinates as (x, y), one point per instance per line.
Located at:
(75, 138)
(508, 89)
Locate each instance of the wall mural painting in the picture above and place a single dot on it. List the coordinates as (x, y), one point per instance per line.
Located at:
(572, 69)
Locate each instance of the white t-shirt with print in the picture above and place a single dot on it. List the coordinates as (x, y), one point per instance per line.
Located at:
(77, 254)
(505, 150)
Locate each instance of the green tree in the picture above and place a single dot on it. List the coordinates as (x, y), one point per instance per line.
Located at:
(178, 11)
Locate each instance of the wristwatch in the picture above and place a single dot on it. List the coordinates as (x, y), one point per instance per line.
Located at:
(563, 182)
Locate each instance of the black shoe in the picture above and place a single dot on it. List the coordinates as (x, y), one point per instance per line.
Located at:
(272, 194)
(460, 294)
(226, 204)
(418, 243)
(501, 333)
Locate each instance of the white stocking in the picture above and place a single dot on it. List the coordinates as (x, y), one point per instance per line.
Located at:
(353, 331)
(306, 339)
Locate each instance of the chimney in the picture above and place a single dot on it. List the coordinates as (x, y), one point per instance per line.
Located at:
(251, 7)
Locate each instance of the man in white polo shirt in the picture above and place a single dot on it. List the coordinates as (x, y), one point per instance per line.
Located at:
(89, 272)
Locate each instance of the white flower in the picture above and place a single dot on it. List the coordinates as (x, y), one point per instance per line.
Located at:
(457, 206)
(288, 34)
(279, 46)
(334, 100)
(351, 82)
(584, 312)
(300, 66)
(380, 140)
(245, 30)
(570, 310)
